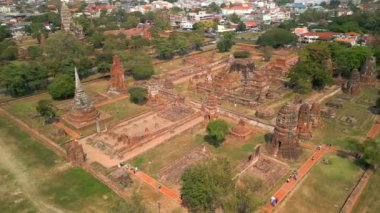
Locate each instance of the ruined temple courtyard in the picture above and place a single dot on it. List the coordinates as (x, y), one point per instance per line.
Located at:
(272, 130)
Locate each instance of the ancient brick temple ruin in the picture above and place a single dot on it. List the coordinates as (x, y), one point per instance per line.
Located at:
(116, 83)
(240, 130)
(75, 153)
(285, 138)
(368, 72)
(210, 107)
(315, 115)
(352, 86)
(67, 23)
(66, 19)
(304, 125)
(83, 112)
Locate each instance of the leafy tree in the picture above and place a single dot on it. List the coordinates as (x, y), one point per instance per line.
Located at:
(217, 130)
(348, 59)
(140, 65)
(63, 87)
(132, 22)
(276, 37)
(196, 39)
(138, 95)
(9, 53)
(4, 33)
(307, 75)
(134, 205)
(368, 151)
(34, 52)
(36, 29)
(180, 42)
(241, 54)
(377, 105)
(112, 43)
(241, 27)
(23, 78)
(46, 108)
(164, 48)
(213, 8)
(97, 39)
(234, 18)
(224, 45)
(142, 71)
(104, 67)
(137, 42)
(62, 45)
(199, 26)
(312, 15)
(227, 41)
(206, 186)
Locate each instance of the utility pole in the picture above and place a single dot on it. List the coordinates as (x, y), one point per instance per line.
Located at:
(159, 206)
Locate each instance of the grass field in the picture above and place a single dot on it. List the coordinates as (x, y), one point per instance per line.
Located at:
(34, 179)
(337, 132)
(248, 35)
(325, 188)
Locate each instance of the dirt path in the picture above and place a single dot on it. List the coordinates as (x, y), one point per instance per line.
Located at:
(24, 180)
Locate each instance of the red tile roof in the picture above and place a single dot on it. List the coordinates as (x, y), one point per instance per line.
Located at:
(250, 24)
(322, 35)
(352, 34)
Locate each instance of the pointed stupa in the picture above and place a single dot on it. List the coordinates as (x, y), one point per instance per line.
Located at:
(81, 100)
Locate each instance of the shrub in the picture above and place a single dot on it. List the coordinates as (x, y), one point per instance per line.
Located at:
(217, 131)
(63, 87)
(138, 95)
(241, 54)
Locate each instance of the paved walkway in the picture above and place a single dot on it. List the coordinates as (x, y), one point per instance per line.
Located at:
(154, 183)
(374, 130)
(287, 187)
(69, 131)
(110, 101)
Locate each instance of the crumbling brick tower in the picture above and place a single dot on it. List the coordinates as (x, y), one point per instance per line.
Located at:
(352, 86)
(75, 153)
(304, 124)
(368, 72)
(315, 115)
(116, 83)
(285, 139)
(210, 107)
(66, 18)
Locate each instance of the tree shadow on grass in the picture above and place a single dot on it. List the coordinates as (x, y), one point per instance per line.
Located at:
(213, 141)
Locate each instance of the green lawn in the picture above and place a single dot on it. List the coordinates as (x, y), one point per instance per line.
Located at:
(24, 108)
(337, 132)
(325, 188)
(248, 35)
(33, 178)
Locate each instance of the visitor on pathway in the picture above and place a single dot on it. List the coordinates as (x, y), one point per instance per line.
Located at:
(273, 201)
